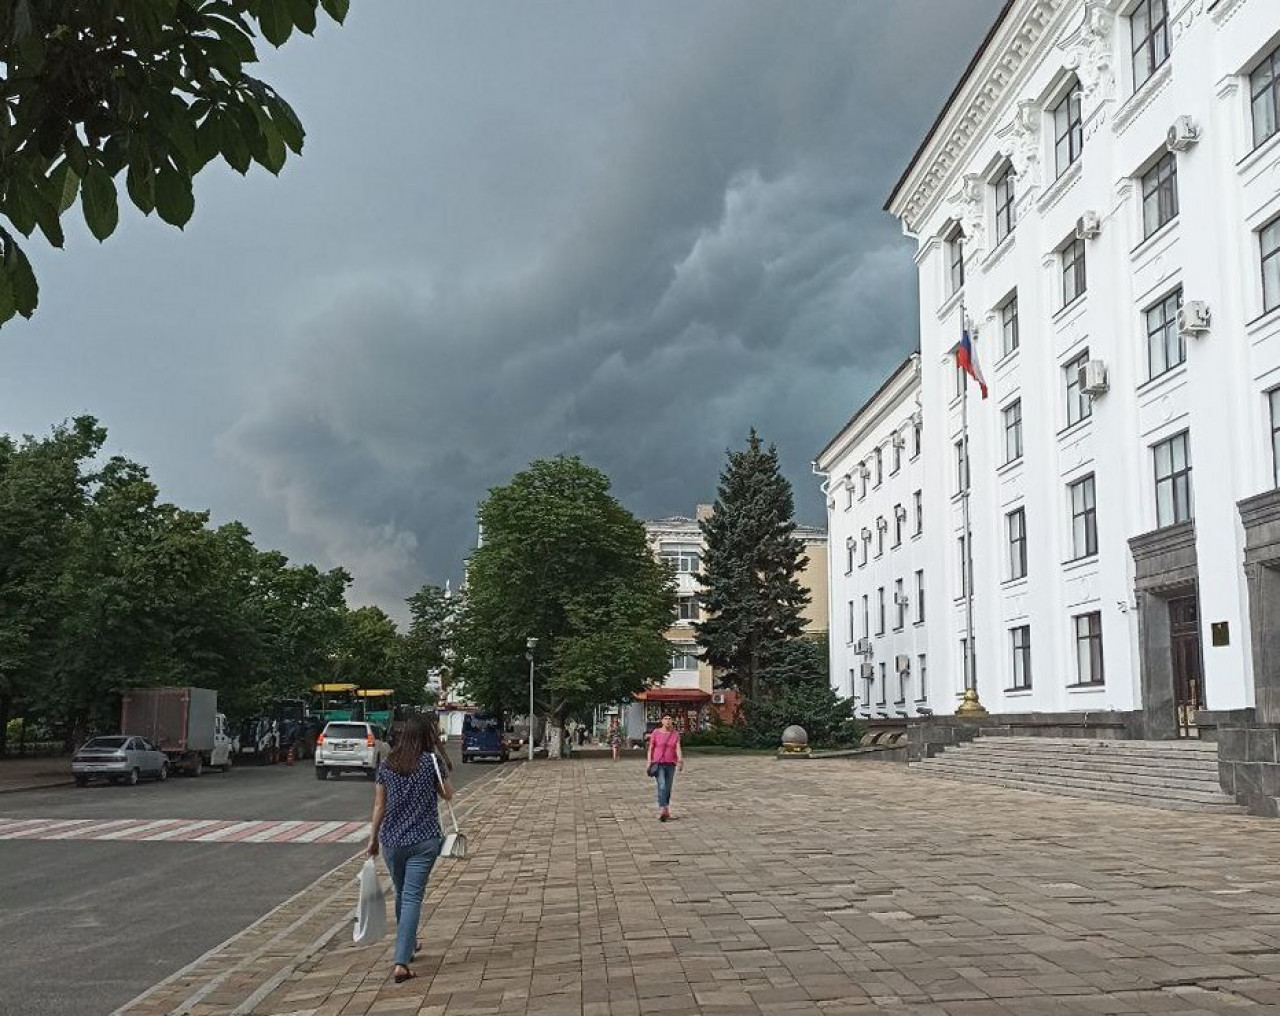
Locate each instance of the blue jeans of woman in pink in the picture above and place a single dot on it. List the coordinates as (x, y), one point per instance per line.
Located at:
(666, 777)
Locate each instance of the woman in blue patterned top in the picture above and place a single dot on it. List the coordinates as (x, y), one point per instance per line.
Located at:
(406, 826)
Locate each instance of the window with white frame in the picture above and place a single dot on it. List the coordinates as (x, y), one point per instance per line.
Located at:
(1074, 279)
(904, 682)
(881, 526)
(1006, 216)
(1009, 324)
(1273, 399)
(848, 492)
(921, 676)
(685, 561)
(884, 684)
(1016, 524)
(866, 615)
(879, 458)
(962, 466)
(1160, 194)
(920, 596)
(955, 261)
(1264, 97)
(880, 611)
(1084, 518)
(1088, 631)
(1079, 402)
(849, 554)
(899, 517)
(1270, 244)
(1149, 35)
(919, 505)
(1068, 129)
(916, 435)
(1172, 459)
(866, 545)
(964, 566)
(900, 604)
(684, 657)
(1020, 643)
(687, 608)
(898, 442)
(962, 380)
(1166, 347)
(1012, 416)
(853, 683)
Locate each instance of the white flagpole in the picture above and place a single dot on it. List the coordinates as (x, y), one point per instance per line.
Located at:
(970, 706)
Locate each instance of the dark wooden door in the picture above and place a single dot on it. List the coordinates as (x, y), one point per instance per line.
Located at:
(1188, 675)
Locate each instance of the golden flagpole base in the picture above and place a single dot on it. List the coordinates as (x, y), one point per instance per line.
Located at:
(970, 706)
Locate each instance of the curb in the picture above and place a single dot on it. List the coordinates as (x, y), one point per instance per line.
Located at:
(36, 786)
(292, 963)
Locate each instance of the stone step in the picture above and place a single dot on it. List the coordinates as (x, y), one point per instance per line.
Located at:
(1201, 793)
(1195, 770)
(1109, 793)
(1191, 750)
(1067, 770)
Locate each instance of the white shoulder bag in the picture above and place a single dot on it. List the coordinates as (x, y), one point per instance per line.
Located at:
(455, 843)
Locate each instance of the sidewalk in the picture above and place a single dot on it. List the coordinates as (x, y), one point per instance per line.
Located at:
(34, 773)
(835, 888)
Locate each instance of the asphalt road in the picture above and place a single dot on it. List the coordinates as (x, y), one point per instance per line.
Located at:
(86, 925)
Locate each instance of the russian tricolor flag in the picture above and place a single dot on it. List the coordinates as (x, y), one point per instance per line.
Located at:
(967, 360)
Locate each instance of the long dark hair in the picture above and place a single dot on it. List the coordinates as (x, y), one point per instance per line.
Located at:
(418, 736)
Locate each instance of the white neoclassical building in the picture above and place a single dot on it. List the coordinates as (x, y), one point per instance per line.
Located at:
(1101, 197)
(874, 483)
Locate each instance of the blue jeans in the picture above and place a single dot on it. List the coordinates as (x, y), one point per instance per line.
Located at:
(666, 777)
(410, 866)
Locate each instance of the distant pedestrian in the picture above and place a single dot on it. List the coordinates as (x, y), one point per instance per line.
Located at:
(406, 826)
(666, 756)
(615, 738)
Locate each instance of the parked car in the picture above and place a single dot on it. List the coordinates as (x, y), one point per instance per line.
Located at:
(349, 745)
(118, 758)
(482, 738)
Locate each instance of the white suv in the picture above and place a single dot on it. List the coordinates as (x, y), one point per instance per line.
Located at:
(346, 745)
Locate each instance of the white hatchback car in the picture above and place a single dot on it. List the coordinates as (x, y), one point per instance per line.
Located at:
(350, 746)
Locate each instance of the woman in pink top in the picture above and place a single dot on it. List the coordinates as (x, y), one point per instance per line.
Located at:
(664, 753)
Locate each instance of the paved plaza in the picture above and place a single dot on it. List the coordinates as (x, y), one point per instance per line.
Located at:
(820, 887)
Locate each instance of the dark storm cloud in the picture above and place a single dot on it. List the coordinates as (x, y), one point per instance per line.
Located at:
(723, 264)
(629, 231)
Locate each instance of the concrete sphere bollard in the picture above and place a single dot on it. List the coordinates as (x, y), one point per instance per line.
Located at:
(795, 742)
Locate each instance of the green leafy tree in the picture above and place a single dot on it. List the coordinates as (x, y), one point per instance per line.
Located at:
(369, 653)
(564, 562)
(427, 645)
(752, 596)
(153, 89)
(42, 499)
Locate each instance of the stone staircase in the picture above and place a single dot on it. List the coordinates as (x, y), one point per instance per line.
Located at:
(1179, 775)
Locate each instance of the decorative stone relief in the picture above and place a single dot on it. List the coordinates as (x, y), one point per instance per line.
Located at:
(1091, 58)
(1025, 153)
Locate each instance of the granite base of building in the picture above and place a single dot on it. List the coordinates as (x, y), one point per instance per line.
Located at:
(1248, 757)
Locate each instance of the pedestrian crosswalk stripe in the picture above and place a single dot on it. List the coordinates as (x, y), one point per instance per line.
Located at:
(184, 830)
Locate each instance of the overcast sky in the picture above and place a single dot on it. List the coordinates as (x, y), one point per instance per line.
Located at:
(625, 230)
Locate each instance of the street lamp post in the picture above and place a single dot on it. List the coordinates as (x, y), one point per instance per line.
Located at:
(530, 644)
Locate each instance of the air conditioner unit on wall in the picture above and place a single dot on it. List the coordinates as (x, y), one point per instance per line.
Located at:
(717, 698)
(902, 664)
(868, 670)
(901, 600)
(1184, 133)
(1088, 226)
(1193, 318)
(1093, 378)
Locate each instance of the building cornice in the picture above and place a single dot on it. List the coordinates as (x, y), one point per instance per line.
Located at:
(896, 389)
(1023, 31)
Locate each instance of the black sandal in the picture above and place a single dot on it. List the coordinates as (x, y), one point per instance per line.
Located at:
(408, 975)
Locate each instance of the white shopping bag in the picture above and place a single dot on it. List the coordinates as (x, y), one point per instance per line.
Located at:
(371, 908)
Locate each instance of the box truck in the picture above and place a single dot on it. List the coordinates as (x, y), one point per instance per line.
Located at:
(184, 723)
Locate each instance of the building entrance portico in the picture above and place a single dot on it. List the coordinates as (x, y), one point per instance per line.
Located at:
(1169, 656)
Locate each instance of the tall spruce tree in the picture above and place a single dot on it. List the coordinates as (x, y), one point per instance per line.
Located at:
(752, 598)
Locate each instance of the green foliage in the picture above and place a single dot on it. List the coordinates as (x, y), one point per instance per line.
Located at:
(564, 562)
(752, 597)
(104, 587)
(151, 89)
(826, 718)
